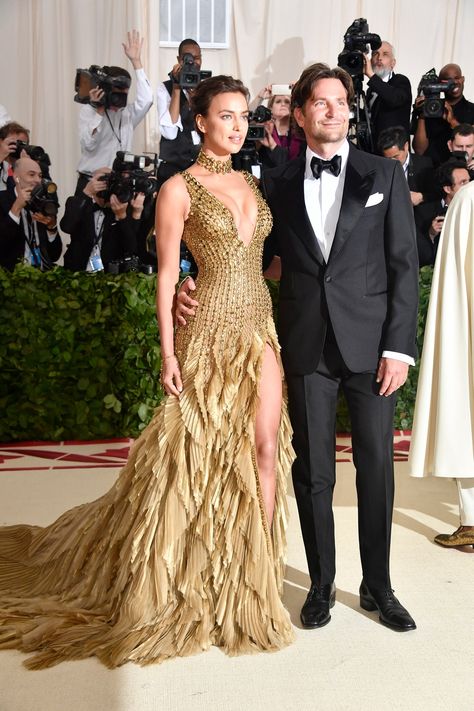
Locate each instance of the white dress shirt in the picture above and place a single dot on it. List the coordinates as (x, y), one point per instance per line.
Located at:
(167, 128)
(102, 135)
(323, 200)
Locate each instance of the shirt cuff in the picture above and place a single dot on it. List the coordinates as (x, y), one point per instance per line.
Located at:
(399, 356)
(14, 217)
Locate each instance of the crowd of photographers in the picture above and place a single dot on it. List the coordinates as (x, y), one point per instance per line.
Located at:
(109, 219)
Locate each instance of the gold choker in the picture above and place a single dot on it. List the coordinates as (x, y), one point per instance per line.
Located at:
(213, 165)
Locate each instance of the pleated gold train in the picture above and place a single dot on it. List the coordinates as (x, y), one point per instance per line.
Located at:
(178, 555)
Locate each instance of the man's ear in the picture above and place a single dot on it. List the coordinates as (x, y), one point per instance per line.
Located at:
(447, 189)
(299, 116)
(450, 146)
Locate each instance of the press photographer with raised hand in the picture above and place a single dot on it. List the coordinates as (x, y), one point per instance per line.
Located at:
(106, 121)
(102, 225)
(434, 118)
(389, 94)
(28, 209)
(180, 142)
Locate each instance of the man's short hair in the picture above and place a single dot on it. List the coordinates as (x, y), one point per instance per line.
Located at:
(462, 129)
(114, 71)
(444, 174)
(303, 89)
(184, 43)
(393, 136)
(10, 128)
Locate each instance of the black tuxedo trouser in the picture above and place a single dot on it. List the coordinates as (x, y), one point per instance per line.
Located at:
(312, 406)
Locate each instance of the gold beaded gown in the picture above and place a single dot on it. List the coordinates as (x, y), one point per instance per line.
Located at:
(178, 555)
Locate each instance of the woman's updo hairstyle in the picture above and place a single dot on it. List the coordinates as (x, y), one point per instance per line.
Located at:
(201, 98)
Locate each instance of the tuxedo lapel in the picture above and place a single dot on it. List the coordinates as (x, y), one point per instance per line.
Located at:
(297, 216)
(357, 187)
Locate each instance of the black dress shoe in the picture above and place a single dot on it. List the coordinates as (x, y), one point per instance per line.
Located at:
(391, 611)
(315, 611)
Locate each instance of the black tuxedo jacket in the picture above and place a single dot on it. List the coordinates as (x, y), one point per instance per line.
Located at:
(421, 177)
(13, 237)
(392, 106)
(369, 287)
(119, 238)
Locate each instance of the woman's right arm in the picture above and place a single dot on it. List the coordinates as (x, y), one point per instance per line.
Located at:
(172, 207)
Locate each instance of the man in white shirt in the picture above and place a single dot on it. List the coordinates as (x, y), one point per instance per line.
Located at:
(105, 130)
(180, 141)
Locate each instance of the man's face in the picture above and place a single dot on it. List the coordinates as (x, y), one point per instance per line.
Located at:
(453, 71)
(193, 49)
(463, 143)
(382, 60)
(324, 117)
(27, 173)
(460, 178)
(396, 153)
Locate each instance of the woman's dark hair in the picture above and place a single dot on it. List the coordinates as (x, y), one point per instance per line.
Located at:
(209, 88)
(303, 89)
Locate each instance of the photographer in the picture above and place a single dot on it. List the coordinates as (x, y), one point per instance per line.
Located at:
(105, 129)
(180, 141)
(283, 141)
(101, 231)
(451, 176)
(431, 135)
(462, 142)
(27, 231)
(10, 133)
(389, 94)
(419, 171)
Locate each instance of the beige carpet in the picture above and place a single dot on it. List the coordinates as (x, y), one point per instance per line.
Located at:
(352, 664)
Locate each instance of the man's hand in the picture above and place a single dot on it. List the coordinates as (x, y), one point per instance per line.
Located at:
(133, 48)
(94, 186)
(391, 373)
(95, 96)
(185, 305)
(23, 196)
(48, 220)
(416, 198)
(7, 146)
(118, 208)
(436, 226)
(137, 205)
(368, 71)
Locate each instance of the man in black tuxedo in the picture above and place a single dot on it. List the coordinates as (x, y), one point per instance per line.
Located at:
(26, 235)
(101, 232)
(344, 231)
(388, 94)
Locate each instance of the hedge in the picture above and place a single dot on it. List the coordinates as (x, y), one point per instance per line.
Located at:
(80, 355)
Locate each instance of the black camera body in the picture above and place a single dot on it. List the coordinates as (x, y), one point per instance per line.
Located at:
(190, 75)
(130, 263)
(260, 116)
(44, 199)
(129, 177)
(431, 88)
(357, 39)
(112, 86)
(36, 153)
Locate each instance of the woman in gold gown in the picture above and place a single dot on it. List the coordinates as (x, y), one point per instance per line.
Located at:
(187, 549)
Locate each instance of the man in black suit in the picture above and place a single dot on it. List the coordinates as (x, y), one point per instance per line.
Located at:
(101, 232)
(419, 170)
(388, 94)
(344, 231)
(26, 235)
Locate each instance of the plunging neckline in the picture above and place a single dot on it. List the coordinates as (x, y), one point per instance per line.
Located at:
(229, 211)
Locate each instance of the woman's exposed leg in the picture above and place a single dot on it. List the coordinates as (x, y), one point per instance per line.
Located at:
(266, 427)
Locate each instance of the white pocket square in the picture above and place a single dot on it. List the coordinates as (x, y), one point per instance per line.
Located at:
(374, 199)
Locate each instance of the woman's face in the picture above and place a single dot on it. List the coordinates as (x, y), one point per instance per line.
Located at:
(226, 124)
(280, 107)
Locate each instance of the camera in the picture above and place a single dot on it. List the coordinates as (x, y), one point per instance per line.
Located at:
(129, 263)
(190, 74)
(44, 199)
(105, 78)
(357, 41)
(431, 88)
(129, 177)
(36, 153)
(261, 115)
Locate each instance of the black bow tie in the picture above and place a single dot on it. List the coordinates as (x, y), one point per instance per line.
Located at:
(318, 165)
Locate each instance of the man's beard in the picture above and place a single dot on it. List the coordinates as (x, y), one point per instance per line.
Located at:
(382, 72)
